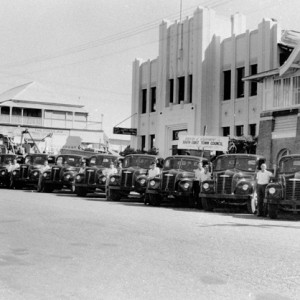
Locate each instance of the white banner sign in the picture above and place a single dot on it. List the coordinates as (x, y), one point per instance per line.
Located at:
(196, 142)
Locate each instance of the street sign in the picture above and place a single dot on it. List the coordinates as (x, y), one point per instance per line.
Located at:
(212, 143)
(127, 131)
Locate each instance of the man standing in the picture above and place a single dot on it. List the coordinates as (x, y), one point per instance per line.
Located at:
(263, 177)
(43, 169)
(153, 171)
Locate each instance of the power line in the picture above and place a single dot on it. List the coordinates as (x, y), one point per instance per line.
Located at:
(106, 40)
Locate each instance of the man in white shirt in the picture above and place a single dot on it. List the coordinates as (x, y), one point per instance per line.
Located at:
(263, 177)
(153, 171)
(111, 170)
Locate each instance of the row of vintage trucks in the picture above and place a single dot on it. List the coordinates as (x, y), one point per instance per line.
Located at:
(232, 181)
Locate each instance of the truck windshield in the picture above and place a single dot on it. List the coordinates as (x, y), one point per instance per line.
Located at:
(101, 161)
(36, 160)
(4, 159)
(289, 165)
(181, 163)
(241, 163)
(138, 161)
(73, 161)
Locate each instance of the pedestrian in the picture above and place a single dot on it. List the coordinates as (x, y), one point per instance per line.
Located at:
(263, 177)
(111, 170)
(153, 171)
(119, 167)
(82, 166)
(43, 169)
(199, 172)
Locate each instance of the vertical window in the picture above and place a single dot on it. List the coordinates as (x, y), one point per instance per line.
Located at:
(143, 142)
(252, 129)
(286, 91)
(144, 101)
(171, 89)
(253, 85)
(181, 88)
(227, 84)
(4, 110)
(226, 131)
(152, 140)
(239, 130)
(296, 90)
(153, 99)
(191, 88)
(240, 83)
(276, 99)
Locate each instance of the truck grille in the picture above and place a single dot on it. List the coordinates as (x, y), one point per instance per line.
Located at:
(168, 182)
(224, 184)
(24, 170)
(90, 175)
(292, 191)
(126, 178)
(55, 173)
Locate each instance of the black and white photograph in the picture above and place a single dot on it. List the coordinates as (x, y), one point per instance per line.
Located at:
(149, 150)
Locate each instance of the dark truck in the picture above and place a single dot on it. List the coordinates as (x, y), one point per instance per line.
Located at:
(283, 194)
(233, 182)
(93, 177)
(132, 181)
(27, 175)
(176, 182)
(62, 173)
(4, 174)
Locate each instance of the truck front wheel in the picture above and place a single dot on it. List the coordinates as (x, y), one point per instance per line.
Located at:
(154, 200)
(273, 211)
(207, 205)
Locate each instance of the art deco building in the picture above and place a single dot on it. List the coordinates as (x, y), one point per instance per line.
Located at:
(196, 85)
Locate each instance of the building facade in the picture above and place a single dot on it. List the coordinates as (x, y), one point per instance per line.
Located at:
(279, 130)
(48, 118)
(195, 86)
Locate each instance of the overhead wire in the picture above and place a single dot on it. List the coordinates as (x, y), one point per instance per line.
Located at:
(103, 41)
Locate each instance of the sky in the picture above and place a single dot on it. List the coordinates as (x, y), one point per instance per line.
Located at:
(84, 49)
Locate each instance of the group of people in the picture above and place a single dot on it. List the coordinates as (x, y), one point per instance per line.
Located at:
(12, 165)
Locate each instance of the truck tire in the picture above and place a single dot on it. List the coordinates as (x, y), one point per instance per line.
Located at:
(114, 195)
(81, 192)
(191, 202)
(154, 200)
(273, 211)
(207, 205)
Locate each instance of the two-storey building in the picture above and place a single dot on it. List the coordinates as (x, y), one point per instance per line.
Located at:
(196, 85)
(45, 114)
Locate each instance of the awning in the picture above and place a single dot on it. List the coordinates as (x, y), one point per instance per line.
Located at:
(260, 76)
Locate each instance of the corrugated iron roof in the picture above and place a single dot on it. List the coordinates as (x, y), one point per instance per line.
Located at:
(36, 93)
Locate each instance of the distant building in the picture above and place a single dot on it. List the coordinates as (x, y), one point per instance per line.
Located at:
(48, 117)
(195, 85)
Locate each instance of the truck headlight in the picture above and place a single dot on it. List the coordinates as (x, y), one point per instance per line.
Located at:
(14, 172)
(45, 175)
(78, 178)
(152, 182)
(205, 186)
(186, 185)
(3, 173)
(245, 187)
(112, 179)
(68, 176)
(143, 181)
(35, 173)
(272, 190)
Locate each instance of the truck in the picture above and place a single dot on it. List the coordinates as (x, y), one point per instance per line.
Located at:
(283, 194)
(233, 182)
(176, 182)
(132, 181)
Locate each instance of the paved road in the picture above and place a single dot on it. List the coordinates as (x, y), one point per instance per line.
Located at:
(59, 246)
